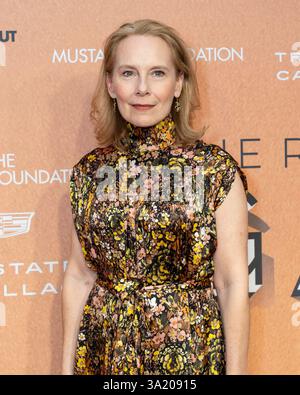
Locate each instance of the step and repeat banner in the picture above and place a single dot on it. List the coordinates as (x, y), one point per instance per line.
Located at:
(247, 57)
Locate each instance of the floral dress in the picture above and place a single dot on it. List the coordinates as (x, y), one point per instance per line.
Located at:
(153, 308)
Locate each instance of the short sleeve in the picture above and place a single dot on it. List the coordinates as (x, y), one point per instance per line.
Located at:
(77, 192)
(74, 192)
(227, 169)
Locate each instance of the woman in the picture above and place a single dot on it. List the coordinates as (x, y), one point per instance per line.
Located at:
(147, 290)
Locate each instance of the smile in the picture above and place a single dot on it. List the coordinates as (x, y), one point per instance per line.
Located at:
(140, 107)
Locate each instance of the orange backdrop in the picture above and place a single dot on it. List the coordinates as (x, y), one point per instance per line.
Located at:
(247, 55)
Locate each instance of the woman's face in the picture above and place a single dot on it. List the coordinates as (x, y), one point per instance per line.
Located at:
(144, 74)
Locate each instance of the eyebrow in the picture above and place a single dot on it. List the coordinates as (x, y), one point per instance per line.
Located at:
(134, 67)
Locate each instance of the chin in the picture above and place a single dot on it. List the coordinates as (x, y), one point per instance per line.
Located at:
(142, 119)
(154, 117)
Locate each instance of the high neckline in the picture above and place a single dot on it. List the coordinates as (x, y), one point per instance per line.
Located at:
(158, 136)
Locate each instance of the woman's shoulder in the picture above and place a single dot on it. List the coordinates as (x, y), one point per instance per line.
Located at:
(90, 161)
(226, 165)
(209, 151)
(217, 152)
(218, 161)
(214, 153)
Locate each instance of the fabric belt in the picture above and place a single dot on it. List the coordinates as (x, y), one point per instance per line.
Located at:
(125, 286)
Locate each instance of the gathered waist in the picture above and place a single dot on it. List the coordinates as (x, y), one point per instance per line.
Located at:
(125, 286)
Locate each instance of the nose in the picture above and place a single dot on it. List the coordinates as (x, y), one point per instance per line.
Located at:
(142, 86)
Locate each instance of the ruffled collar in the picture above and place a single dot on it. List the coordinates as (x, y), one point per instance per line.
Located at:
(158, 136)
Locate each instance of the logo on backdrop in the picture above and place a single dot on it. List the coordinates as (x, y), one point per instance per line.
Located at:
(5, 37)
(295, 319)
(45, 271)
(95, 55)
(77, 55)
(289, 63)
(2, 314)
(254, 255)
(222, 55)
(296, 291)
(14, 224)
(9, 175)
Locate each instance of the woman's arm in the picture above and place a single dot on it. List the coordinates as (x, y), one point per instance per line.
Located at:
(77, 284)
(231, 276)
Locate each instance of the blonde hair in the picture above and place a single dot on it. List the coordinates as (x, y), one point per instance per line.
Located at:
(110, 126)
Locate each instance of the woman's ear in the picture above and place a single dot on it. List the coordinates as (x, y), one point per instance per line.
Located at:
(179, 83)
(109, 85)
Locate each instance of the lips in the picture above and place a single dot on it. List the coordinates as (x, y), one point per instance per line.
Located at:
(142, 106)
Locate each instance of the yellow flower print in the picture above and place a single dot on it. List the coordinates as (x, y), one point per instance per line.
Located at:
(120, 287)
(155, 355)
(122, 223)
(87, 309)
(116, 236)
(164, 221)
(153, 234)
(162, 243)
(81, 363)
(215, 324)
(119, 343)
(139, 237)
(132, 370)
(84, 250)
(163, 269)
(198, 247)
(96, 238)
(91, 157)
(172, 334)
(200, 357)
(174, 364)
(213, 370)
(196, 259)
(82, 351)
(198, 158)
(167, 338)
(170, 236)
(130, 310)
(211, 336)
(193, 316)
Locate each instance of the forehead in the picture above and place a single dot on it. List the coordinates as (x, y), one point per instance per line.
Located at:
(143, 50)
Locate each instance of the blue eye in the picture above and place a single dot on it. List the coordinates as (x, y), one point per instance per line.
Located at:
(159, 71)
(127, 71)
